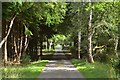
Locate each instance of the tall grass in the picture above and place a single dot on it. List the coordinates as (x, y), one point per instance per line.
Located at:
(31, 70)
(94, 70)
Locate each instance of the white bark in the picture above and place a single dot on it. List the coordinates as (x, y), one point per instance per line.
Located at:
(79, 44)
(5, 52)
(46, 45)
(116, 45)
(5, 48)
(10, 27)
(26, 43)
(90, 34)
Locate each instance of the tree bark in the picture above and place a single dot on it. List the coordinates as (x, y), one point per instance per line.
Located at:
(5, 53)
(16, 51)
(5, 48)
(41, 46)
(26, 44)
(1, 34)
(90, 34)
(116, 45)
(79, 44)
(9, 30)
(46, 45)
(90, 56)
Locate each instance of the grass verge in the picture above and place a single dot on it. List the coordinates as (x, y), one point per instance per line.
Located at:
(31, 70)
(93, 70)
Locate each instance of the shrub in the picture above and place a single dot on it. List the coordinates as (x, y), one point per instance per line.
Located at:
(104, 54)
(26, 59)
(116, 66)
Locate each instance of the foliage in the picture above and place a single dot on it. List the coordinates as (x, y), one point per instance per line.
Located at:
(116, 65)
(43, 20)
(58, 39)
(32, 19)
(58, 11)
(26, 59)
(28, 32)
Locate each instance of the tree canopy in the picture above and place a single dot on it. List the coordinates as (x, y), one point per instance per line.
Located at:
(93, 28)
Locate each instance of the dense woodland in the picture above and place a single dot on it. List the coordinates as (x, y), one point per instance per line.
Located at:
(92, 27)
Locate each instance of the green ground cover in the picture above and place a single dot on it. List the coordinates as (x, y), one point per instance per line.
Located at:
(31, 70)
(93, 70)
(48, 52)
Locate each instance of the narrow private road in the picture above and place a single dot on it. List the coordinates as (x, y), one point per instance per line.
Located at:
(60, 69)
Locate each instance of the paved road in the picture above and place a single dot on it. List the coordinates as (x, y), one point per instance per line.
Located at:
(60, 70)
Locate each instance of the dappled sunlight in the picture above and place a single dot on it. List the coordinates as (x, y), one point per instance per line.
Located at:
(35, 68)
(40, 61)
(60, 31)
(81, 67)
(26, 70)
(60, 69)
(52, 61)
(96, 70)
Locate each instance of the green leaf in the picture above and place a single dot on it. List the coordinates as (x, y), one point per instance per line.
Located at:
(28, 32)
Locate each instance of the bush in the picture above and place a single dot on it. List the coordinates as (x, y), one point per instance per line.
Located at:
(116, 66)
(26, 59)
(104, 54)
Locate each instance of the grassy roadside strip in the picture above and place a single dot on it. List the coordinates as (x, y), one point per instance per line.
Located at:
(31, 70)
(93, 70)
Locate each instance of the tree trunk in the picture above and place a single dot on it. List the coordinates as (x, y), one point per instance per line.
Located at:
(90, 56)
(20, 49)
(5, 53)
(26, 44)
(1, 33)
(50, 46)
(72, 43)
(90, 34)
(47, 44)
(74, 51)
(5, 47)
(31, 51)
(16, 51)
(79, 45)
(9, 30)
(41, 46)
(36, 47)
(116, 45)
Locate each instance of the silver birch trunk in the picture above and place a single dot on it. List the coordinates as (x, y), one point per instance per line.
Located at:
(79, 44)
(9, 30)
(116, 45)
(90, 56)
(5, 52)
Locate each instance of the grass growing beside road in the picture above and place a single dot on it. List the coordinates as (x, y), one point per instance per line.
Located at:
(48, 52)
(93, 70)
(32, 70)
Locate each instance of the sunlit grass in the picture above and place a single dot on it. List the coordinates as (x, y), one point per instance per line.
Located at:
(47, 52)
(32, 70)
(93, 70)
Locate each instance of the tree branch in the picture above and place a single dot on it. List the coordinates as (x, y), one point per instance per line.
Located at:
(10, 27)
